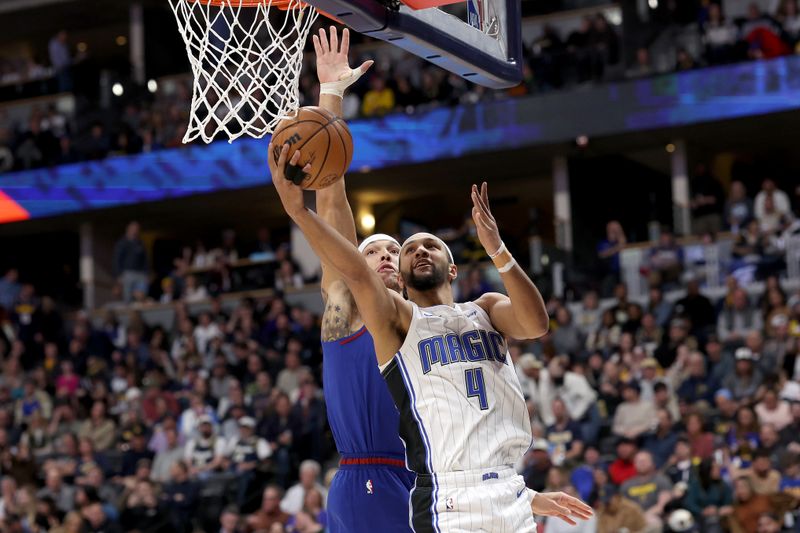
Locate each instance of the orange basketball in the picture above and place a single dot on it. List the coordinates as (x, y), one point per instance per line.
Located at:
(324, 141)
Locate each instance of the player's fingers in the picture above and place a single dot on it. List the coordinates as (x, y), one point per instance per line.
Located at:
(345, 42)
(317, 48)
(323, 40)
(477, 198)
(334, 40)
(307, 168)
(578, 506)
(485, 194)
(295, 157)
(282, 156)
(567, 519)
(365, 65)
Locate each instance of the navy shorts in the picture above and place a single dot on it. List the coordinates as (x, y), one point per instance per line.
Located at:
(370, 498)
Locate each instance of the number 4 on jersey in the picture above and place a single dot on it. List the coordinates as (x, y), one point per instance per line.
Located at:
(476, 387)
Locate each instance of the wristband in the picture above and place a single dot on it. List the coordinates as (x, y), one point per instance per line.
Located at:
(499, 250)
(508, 266)
(336, 88)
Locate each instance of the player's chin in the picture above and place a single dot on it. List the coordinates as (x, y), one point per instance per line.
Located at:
(390, 279)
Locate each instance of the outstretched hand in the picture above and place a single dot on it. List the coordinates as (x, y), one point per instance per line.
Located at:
(290, 194)
(485, 223)
(560, 505)
(333, 63)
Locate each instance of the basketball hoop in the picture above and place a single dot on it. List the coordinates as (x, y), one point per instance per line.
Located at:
(246, 57)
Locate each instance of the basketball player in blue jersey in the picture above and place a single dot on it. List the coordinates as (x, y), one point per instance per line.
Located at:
(463, 418)
(371, 489)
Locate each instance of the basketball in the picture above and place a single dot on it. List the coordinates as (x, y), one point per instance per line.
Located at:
(324, 141)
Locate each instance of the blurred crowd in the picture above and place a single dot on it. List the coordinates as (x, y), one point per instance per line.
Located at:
(216, 421)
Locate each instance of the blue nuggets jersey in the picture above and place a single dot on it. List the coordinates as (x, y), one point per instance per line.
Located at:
(361, 412)
(371, 489)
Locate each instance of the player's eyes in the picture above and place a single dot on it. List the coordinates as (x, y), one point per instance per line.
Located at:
(395, 252)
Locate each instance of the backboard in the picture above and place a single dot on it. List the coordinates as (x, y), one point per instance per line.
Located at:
(488, 55)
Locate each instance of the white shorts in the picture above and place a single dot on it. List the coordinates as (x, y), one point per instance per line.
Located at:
(494, 500)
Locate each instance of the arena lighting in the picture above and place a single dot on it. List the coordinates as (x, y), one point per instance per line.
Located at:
(670, 148)
(653, 4)
(368, 222)
(117, 89)
(121, 40)
(82, 47)
(582, 141)
(152, 85)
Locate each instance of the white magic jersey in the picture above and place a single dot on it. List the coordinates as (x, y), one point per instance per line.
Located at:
(460, 402)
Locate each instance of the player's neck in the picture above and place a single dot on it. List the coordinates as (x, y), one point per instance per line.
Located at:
(439, 296)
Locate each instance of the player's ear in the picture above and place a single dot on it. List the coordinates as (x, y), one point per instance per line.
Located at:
(453, 272)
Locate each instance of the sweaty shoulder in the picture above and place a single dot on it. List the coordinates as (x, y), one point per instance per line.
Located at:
(340, 318)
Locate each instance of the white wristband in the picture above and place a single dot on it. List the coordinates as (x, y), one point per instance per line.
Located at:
(336, 88)
(499, 250)
(508, 266)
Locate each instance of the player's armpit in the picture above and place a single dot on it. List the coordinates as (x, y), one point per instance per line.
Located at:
(337, 319)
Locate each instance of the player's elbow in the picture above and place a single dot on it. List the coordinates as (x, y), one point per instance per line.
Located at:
(536, 328)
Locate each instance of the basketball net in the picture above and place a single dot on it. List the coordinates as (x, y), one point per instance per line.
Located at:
(246, 57)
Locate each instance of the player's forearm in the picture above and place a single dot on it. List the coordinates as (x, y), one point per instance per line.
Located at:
(527, 303)
(332, 103)
(334, 208)
(331, 247)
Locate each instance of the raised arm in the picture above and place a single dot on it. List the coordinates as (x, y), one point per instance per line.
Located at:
(385, 313)
(335, 75)
(522, 314)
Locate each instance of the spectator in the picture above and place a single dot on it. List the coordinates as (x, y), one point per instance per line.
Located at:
(230, 520)
(193, 291)
(616, 513)
(567, 338)
(100, 429)
(608, 251)
(649, 489)
(244, 453)
(309, 474)
(700, 440)
(143, 511)
(61, 493)
(747, 378)
(789, 18)
(698, 309)
(577, 394)
(181, 497)
(684, 60)
(287, 278)
(663, 440)
(748, 505)
(623, 467)
(564, 436)
(205, 452)
(719, 36)
(634, 416)
(61, 61)
(665, 263)
(130, 262)
(708, 497)
(772, 410)
(643, 67)
(780, 199)
(736, 320)
(289, 378)
(379, 99)
(763, 478)
(97, 520)
(9, 289)
(587, 319)
(314, 511)
(537, 465)
(680, 466)
(738, 207)
(164, 460)
(270, 512)
(660, 309)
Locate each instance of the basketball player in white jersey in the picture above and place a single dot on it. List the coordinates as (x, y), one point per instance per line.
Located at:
(463, 418)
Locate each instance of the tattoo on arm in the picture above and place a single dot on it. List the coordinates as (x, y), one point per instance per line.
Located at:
(337, 318)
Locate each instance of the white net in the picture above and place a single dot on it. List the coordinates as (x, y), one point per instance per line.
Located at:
(246, 57)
